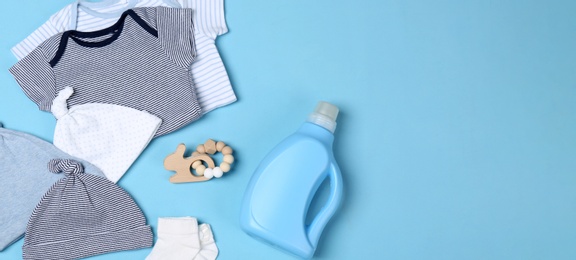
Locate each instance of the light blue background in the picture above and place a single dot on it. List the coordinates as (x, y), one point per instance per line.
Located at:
(456, 139)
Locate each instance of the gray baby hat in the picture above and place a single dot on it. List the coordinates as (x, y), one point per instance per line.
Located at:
(24, 179)
(83, 215)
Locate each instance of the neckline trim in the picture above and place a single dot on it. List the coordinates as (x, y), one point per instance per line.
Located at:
(115, 30)
(86, 7)
(97, 3)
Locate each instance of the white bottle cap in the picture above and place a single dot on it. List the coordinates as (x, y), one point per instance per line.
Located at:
(324, 115)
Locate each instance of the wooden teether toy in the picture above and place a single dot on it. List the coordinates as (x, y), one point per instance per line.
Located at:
(211, 147)
(176, 162)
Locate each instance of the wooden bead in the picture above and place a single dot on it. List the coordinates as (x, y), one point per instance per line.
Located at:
(210, 146)
(225, 167)
(228, 158)
(200, 148)
(227, 150)
(195, 153)
(196, 164)
(200, 170)
(219, 146)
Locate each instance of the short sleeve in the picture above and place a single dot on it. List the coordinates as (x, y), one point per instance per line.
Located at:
(176, 34)
(56, 24)
(209, 16)
(36, 78)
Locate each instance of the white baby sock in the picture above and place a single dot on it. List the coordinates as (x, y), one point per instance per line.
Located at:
(209, 250)
(177, 239)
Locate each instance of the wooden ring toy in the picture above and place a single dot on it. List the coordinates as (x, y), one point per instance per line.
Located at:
(211, 147)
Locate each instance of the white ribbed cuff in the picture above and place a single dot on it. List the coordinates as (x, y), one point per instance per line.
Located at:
(178, 226)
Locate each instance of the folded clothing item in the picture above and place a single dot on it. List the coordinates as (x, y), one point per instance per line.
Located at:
(142, 61)
(83, 215)
(209, 75)
(181, 238)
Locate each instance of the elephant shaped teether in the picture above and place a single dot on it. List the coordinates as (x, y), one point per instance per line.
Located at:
(176, 162)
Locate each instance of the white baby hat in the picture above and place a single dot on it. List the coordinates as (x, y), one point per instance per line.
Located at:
(109, 136)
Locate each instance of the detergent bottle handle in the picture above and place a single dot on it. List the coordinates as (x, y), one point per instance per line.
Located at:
(315, 228)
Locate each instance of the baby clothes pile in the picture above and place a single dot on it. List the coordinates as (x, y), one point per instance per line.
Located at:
(25, 178)
(115, 74)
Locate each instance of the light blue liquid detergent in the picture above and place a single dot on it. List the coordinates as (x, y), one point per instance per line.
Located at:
(279, 194)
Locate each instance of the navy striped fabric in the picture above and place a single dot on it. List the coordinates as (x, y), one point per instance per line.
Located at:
(66, 166)
(210, 78)
(25, 179)
(142, 62)
(84, 215)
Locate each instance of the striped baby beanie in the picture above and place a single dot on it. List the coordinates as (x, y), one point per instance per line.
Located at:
(25, 179)
(83, 215)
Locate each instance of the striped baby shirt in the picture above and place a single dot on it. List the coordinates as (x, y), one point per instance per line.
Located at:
(209, 75)
(142, 62)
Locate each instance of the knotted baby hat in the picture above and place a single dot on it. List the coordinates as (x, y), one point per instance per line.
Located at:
(109, 136)
(83, 215)
(24, 178)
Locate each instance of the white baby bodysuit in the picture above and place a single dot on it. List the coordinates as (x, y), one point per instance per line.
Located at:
(211, 82)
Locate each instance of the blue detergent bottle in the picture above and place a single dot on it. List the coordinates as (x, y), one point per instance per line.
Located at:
(278, 196)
